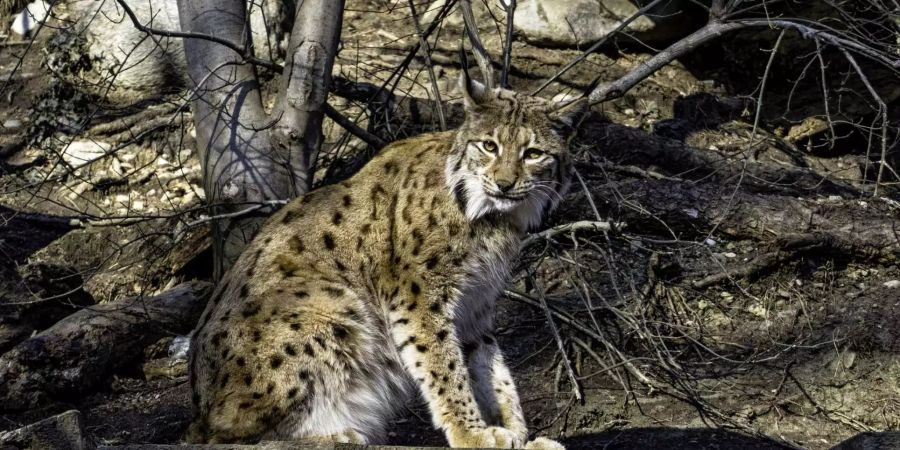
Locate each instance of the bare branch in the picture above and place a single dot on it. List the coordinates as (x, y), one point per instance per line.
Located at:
(242, 50)
(616, 89)
(481, 55)
(712, 30)
(510, 7)
(597, 45)
(426, 54)
(581, 225)
(808, 31)
(882, 114)
(354, 129)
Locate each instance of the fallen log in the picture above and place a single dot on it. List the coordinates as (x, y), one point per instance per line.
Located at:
(632, 146)
(61, 432)
(80, 352)
(691, 211)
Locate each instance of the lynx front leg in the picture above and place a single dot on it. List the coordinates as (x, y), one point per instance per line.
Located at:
(494, 387)
(422, 328)
(511, 408)
(496, 391)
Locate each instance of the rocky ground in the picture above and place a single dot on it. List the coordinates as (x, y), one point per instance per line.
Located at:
(746, 294)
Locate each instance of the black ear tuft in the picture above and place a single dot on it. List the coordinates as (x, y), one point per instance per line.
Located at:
(474, 93)
(570, 112)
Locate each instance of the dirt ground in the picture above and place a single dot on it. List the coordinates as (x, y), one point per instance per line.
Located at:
(800, 353)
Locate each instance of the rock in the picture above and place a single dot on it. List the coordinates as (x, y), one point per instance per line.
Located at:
(60, 432)
(810, 127)
(580, 22)
(28, 21)
(892, 284)
(80, 152)
(144, 67)
(165, 368)
(26, 158)
(179, 347)
(173, 365)
(108, 271)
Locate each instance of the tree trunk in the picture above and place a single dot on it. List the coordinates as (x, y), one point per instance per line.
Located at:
(249, 156)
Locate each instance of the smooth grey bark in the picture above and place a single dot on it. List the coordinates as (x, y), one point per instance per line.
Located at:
(305, 85)
(249, 156)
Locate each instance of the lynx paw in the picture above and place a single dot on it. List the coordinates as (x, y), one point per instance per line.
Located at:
(543, 443)
(491, 437)
(345, 437)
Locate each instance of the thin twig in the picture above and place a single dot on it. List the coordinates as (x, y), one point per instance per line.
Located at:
(250, 209)
(882, 112)
(426, 54)
(762, 88)
(824, 89)
(576, 386)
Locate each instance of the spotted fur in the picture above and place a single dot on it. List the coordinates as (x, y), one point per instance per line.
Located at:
(360, 292)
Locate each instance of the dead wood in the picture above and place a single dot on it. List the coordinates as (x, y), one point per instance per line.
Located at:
(61, 432)
(630, 146)
(867, 229)
(786, 248)
(80, 352)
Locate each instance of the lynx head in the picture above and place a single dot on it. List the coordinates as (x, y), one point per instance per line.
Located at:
(511, 153)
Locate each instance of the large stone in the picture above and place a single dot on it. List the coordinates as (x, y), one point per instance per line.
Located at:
(125, 64)
(577, 22)
(581, 22)
(60, 432)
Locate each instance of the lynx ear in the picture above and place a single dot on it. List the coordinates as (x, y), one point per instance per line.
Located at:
(474, 93)
(569, 112)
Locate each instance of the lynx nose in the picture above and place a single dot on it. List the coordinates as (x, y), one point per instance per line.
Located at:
(505, 185)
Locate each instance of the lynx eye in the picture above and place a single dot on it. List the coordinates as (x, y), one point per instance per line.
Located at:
(533, 153)
(489, 146)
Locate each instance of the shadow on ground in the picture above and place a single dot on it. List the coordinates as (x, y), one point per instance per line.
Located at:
(670, 439)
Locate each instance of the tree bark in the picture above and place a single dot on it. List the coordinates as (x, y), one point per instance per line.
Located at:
(248, 155)
(81, 351)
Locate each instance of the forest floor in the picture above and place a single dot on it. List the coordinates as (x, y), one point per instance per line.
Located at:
(746, 297)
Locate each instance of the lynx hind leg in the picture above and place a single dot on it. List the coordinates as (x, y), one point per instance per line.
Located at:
(356, 389)
(272, 362)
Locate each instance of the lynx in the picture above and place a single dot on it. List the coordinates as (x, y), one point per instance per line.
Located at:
(357, 293)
